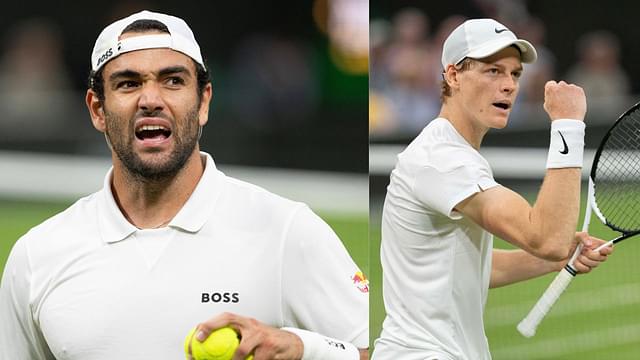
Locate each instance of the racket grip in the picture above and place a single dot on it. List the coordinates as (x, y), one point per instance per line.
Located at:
(527, 327)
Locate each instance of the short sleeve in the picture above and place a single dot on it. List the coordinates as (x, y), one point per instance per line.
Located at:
(443, 190)
(323, 289)
(19, 336)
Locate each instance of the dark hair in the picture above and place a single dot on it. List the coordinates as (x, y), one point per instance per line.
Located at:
(96, 81)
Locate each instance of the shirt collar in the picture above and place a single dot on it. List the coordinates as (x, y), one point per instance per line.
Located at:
(199, 207)
(112, 224)
(114, 227)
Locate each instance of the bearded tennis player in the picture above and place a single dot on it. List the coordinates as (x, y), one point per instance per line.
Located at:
(170, 242)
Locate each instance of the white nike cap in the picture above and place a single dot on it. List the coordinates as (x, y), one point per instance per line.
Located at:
(108, 45)
(479, 38)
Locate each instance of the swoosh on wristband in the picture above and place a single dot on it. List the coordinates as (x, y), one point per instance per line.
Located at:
(564, 151)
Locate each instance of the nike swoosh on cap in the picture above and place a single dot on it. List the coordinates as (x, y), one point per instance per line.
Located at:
(498, 31)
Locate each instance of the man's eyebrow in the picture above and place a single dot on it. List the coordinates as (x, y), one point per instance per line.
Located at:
(124, 74)
(127, 73)
(173, 70)
(502, 67)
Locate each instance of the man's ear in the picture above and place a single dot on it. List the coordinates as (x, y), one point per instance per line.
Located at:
(96, 110)
(203, 113)
(451, 76)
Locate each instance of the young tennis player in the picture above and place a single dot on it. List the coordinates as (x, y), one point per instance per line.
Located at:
(443, 205)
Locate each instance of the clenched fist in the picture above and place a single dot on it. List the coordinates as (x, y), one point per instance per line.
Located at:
(564, 101)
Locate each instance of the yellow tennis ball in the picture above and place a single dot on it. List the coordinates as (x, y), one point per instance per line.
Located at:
(220, 345)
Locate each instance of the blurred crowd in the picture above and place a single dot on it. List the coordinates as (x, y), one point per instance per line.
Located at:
(36, 96)
(270, 79)
(273, 82)
(282, 85)
(406, 70)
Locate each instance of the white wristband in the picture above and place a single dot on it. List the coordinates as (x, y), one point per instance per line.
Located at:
(567, 144)
(319, 347)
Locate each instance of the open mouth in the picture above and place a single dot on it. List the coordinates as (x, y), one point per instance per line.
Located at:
(502, 105)
(152, 132)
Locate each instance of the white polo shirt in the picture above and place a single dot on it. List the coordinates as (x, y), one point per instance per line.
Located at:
(88, 285)
(436, 263)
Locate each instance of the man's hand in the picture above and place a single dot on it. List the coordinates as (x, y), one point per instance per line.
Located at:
(589, 259)
(564, 101)
(264, 342)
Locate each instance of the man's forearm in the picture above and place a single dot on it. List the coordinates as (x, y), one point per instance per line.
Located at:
(555, 212)
(511, 266)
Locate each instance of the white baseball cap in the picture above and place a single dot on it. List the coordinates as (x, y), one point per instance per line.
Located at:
(109, 45)
(479, 38)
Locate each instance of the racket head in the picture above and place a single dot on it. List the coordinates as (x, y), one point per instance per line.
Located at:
(615, 174)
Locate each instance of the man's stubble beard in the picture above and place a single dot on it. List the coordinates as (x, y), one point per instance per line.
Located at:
(121, 135)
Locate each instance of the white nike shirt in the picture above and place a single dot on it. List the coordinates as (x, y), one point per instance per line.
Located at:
(436, 263)
(88, 285)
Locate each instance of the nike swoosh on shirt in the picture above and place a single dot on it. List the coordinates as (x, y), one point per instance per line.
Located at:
(498, 31)
(564, 151)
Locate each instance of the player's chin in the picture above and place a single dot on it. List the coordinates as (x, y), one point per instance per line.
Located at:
(154, 156)
(500, 122)
(155, 159)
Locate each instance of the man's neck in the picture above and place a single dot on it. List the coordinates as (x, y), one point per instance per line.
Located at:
(463, 123)
(152, 204)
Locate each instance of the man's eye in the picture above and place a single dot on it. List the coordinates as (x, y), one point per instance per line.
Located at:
(175, 80)
(127, 84)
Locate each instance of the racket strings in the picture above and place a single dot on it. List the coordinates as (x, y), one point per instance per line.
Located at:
(617, 175)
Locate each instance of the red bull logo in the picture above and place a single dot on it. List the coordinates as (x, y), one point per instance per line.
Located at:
(361, 282)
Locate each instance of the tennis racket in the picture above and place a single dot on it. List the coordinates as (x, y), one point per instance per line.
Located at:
(613, 195)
